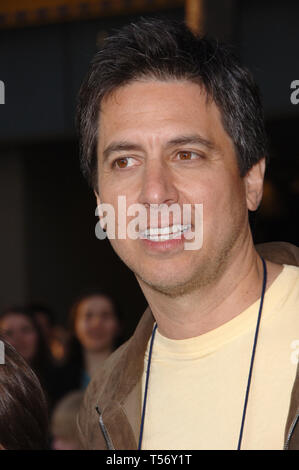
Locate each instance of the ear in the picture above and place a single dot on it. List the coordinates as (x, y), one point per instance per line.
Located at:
(254, 180)
(97, 197)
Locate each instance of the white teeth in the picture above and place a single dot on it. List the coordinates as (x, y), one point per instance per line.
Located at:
(164, 233)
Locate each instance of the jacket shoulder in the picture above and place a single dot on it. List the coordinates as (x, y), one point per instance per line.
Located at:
(279, 252)
(86, 423)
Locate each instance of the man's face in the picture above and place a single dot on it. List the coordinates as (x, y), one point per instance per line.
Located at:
(174, 150)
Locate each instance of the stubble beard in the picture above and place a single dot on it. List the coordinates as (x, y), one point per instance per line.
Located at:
(210, 269)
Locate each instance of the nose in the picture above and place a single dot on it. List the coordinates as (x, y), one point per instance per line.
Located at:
(157, 185)
(96, 321)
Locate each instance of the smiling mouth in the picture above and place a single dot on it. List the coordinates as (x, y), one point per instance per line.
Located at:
(160, 234)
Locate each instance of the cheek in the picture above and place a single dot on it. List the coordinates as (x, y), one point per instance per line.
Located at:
(120, 199)
(11, 339)
(223, 199)
(80, 328)
(112, 328)
(31, 339)
(224, 209)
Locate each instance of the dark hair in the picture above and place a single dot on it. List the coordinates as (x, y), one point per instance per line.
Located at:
(166, 50)
(37, 308)
(23, 409)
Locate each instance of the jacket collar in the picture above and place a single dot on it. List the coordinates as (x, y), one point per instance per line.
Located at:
(122, 392)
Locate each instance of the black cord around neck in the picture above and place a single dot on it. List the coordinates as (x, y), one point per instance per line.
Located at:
(249, 374)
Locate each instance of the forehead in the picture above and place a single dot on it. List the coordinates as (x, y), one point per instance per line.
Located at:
(94, 303)
(157, 110)
(15, 319)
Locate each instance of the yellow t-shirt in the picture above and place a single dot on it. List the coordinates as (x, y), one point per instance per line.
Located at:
(197, 385)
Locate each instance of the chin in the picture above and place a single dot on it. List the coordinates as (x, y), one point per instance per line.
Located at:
(169, 285)
(96, 347)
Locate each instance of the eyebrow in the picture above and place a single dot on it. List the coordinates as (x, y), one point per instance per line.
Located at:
(191, 139)
(120, 146)
(124, 145)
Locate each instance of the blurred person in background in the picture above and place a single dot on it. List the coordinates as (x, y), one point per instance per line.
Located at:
(19, 327)
(23, 407)
(56, 336)
(60, 344)
(95, 322)
(44, 318)
(64, 422)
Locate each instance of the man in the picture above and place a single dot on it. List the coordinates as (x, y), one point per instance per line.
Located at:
(168, 118)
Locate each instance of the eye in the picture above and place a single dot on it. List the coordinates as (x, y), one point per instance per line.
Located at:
(188, 155)
(27, 330)
(123, 162)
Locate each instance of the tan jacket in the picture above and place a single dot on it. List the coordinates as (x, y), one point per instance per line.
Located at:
(110, 416)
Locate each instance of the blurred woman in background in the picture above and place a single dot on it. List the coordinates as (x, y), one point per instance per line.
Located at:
(64, 429)
(95, 321)
(44, 318)
(20, 329)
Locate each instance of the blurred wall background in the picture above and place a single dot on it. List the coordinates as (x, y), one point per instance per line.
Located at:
(48, 249)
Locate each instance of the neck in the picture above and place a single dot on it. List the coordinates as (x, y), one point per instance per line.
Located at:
(93, 359)
(209, 307)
